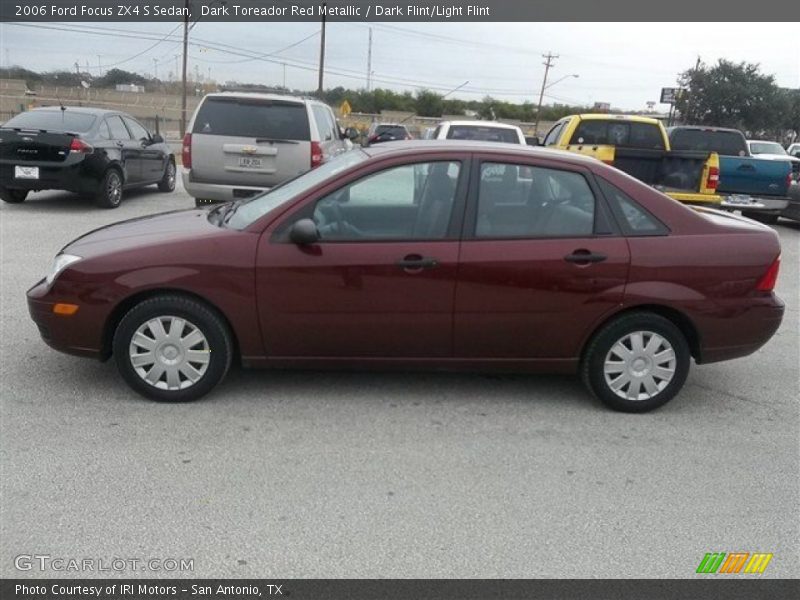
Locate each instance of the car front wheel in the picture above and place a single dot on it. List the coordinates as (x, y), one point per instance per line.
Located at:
(172, 348)
(637, 362)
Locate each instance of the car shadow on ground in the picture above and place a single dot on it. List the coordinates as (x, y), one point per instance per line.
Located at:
(68, 202)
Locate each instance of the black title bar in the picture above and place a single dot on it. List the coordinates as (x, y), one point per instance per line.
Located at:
(402, 11)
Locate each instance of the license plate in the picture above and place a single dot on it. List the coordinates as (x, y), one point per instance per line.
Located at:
(739, 199)
(248, 162)
(26, 172)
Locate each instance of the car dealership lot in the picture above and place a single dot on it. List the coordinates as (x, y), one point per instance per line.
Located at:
(304, 474)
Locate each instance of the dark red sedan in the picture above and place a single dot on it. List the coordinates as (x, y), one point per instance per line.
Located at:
(423, 254)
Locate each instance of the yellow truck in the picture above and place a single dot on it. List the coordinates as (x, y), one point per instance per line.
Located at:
(640, 147)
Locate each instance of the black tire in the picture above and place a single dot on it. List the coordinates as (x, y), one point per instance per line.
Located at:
(217, 343)
(761, 217)
(13, 196)
(167, 183)
(109, 194)
(599, 349)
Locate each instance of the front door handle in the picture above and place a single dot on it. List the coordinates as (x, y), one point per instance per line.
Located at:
(415, 262)
(583, 256)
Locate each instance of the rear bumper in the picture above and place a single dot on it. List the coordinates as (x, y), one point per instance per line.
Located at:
(76, 178)
(742, 335)
(763, 204)
(215, 192)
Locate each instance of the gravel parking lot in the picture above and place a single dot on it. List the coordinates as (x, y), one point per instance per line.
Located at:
(310, 474)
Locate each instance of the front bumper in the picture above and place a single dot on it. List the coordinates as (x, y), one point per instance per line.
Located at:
(80, 334)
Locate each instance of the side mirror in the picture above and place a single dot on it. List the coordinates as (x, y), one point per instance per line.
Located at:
(304, 232)
(352, 134)
(533, 140)
(156, 139)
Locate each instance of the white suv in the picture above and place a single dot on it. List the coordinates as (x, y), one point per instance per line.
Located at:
(239, 143)
(482, 131)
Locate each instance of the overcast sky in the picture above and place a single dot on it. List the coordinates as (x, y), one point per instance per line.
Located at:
(625, 64)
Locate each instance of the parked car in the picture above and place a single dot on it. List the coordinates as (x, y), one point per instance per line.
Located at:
(757, 186)
(774, 151)
(89, 151)
(547, 261)
(428, 132)
(240, 143)
(479, 131)
(387, 132)
(793, 150)
(640, 147)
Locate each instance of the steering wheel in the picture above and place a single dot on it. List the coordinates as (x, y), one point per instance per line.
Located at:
(335, 226)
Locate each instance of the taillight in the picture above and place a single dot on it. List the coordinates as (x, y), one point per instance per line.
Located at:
(78, 145)
(316, 155)
(789, 179)
(186, 152)
(767, 282)
(713, 178)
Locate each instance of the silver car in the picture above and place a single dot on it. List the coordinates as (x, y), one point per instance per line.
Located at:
(239, 144)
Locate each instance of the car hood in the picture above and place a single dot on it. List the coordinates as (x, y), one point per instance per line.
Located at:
(144, 231)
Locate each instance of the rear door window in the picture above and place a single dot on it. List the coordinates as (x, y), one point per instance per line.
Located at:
(117, 128)
(253, 118)
(323, 123)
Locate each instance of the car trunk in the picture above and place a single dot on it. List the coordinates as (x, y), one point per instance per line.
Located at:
(667, 170)
(31, 147)
(250, 142)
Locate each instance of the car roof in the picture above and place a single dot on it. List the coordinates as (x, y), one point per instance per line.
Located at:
(417, 146)
(496, 124)
(704, 128)
(86, 110)
(612, 117)
(263, 96)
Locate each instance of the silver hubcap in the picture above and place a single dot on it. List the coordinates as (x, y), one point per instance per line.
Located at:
(169, 353)
(640, 365)
(114, 189)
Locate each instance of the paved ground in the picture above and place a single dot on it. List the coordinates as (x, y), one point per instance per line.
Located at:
(385, 475)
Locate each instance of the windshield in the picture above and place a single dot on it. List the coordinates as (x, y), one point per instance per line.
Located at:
(256, 207)
(483, 134)
(766, 148)
(52, 120)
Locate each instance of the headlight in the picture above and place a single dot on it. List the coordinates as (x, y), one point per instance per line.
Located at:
(61, 262)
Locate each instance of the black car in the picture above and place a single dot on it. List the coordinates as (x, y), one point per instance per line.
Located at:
(387, 132)
(90, 151)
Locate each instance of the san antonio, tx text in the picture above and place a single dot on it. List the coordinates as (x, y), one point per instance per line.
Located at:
(125, 589)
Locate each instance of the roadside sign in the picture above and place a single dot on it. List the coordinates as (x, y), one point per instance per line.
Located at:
(344, 108)
(670, 95)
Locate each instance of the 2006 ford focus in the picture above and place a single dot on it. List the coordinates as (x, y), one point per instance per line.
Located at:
(423, 255)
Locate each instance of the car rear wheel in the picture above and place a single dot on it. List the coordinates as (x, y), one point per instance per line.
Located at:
(167, 183)
(172, 348)
(637, 362)
(13, 196)
(109, 195)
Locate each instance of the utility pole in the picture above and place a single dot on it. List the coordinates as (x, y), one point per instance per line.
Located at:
(185, 56)
(99, 67)
(369, 62)
(322, 52)
(548, 63)
(284, 75)
(687, 118)
(155, 68)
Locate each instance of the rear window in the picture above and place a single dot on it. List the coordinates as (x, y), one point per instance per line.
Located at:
(52, 120)
(254, 118)
(395, 130)
(482, 134)
(724, 143)
(624, 134)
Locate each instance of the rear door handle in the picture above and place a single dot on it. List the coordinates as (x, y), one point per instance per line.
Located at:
(414, 262)
(585, 256)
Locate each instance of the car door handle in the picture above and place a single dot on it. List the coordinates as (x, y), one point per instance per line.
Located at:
(745, 167)
(414, 262)
(120, 144)
(585, 256)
